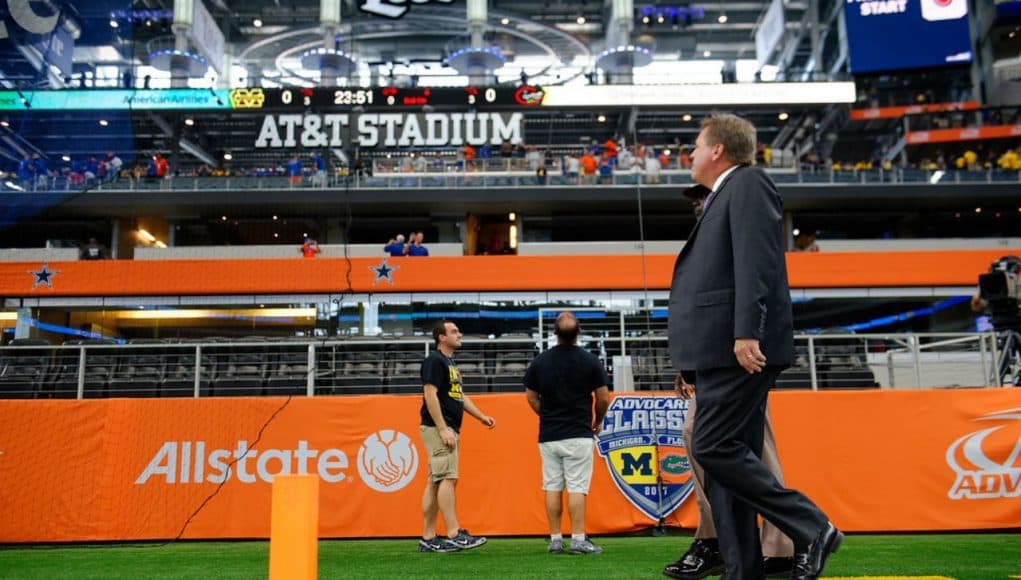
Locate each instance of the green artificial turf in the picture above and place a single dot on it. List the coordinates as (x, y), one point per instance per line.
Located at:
(961, 556)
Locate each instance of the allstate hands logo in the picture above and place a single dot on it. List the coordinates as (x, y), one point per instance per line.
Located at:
(387, 460)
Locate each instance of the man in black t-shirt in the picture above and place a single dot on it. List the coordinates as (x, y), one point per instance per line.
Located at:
(559, 385)
(443, 406)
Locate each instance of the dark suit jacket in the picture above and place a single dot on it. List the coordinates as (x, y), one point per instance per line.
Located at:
(730, 279)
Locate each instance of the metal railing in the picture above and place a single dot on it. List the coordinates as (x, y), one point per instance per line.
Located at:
(460, 179)
(258, 366)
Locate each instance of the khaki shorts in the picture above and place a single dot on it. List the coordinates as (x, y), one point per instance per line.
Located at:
(567, 463)
(442, 459)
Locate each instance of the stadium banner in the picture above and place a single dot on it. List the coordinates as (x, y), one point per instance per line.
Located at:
(898, 112)
(468, 273)
(136, 469)
(970, 134)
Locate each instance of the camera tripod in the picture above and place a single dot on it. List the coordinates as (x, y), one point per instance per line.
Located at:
(1008, 357)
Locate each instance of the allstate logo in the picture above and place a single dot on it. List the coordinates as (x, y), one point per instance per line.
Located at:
(387, 460)
(988, 461)
(644, 450)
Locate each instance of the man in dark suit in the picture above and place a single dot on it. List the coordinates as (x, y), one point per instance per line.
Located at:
(731, 333)
(703, 557)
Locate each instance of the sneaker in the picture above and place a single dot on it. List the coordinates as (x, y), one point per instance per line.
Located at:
(465, 541)
(584, 547)
(555, 547)
(436, 545)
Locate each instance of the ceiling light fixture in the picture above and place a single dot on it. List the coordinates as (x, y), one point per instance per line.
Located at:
(707, 53)
(257, 23)
(580, 20)
(722, 19)
(189, 121)
(783, 116)
(505, 21)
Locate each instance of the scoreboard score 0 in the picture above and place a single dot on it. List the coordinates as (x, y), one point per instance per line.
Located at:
(388, 97)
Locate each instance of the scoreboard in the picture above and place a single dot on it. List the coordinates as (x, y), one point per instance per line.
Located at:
(387, 97)
(330, 100)
(275, 99)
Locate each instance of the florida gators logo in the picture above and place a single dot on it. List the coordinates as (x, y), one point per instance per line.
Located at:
(644, 450)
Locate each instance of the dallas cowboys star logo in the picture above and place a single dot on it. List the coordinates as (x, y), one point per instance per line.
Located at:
(43, 275)
(384, 272)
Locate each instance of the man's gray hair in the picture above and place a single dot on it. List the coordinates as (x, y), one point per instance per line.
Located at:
(735, 134)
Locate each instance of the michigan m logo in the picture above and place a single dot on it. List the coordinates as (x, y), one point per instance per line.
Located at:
(643, 463)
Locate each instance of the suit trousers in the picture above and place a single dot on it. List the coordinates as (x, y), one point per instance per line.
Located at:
(727, 442)
(774, 543)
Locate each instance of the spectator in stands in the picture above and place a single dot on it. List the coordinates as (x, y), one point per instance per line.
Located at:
(75, 175)
(664, 158)
(443, 406)
(92, 251)
(683, 157)
(1010, 160)
(361, 169)
(162, 166)
(573, 168)
(319, 180)
(533, 159)
(625, 160)
(610, 148)
(540, 175)
(606, 169)
(652, 166)
(562, 385)
(91, 170)
(419, 165)
(469, 157)
(589, 167)
(294, 169)
(309, 248)
(416, 247)
(42, 173)
(113, 166)
(396, 246)
(26, 173)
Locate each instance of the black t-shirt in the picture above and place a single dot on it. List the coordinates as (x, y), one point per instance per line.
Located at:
(441, 372)
(565, 377)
